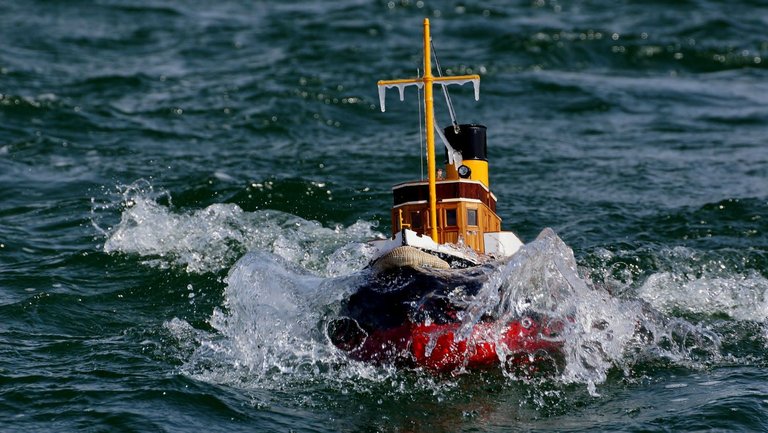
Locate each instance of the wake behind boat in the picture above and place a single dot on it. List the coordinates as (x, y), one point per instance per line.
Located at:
(446, 237)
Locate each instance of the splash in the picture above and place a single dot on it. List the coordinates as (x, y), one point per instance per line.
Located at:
(270, 332)
(268, 322)
(696, 283)
(601, 332)
(212, 239)
(288, 277)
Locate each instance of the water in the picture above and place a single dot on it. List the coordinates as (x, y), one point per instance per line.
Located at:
(186, 189)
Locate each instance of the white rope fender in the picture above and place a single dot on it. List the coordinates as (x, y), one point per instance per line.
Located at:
(408, 256)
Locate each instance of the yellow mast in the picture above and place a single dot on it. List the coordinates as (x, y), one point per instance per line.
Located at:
(426, 81)
(430, 115)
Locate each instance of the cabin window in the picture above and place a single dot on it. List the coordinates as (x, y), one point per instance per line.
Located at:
(415, 220)
(472, 217)
(450, 217)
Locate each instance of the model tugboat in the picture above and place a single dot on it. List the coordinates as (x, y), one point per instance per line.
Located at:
(446, 236)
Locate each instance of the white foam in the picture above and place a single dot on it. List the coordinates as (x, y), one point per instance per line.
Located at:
(211, 239)
(600, 332)
(740, 297)
(270, 332)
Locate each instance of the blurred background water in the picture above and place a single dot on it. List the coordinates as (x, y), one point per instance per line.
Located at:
(186, 187)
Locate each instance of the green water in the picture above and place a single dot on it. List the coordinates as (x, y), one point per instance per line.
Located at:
(186, 188)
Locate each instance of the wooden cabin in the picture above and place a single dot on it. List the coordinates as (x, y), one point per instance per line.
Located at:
(466, 207)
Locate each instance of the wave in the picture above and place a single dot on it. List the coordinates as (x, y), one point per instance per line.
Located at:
(287, 278)
(211, 239)
(270, 332)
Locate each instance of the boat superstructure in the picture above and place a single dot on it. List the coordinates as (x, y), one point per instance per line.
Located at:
(455, 205)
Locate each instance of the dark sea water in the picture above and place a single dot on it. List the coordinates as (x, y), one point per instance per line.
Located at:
(186, 188)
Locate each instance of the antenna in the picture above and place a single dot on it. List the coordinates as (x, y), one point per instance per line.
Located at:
(448, 101)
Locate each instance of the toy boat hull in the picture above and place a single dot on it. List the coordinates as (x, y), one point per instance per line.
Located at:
(514, 345)
(409, 317)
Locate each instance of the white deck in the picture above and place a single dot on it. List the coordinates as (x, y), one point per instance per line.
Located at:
(497, 245)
